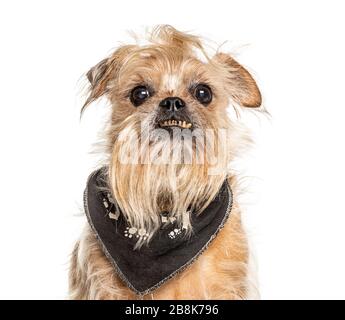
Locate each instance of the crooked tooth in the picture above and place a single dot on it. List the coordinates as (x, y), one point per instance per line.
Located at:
(189, 125)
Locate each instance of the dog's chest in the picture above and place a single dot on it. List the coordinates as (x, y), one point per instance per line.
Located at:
(168, 255)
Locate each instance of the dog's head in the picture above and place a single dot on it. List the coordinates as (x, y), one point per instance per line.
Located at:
(167, 79)
(169, 86)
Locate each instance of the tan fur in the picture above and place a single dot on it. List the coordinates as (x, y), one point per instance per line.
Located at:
(169, 64)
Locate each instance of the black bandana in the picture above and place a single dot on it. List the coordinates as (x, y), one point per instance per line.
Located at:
(168, 252)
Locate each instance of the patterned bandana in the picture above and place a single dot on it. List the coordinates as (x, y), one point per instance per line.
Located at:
(168, 252)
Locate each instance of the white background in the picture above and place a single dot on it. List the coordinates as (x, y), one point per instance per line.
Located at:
(295, 208)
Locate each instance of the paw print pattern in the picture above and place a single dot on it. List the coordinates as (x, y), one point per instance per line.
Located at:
(173, 234)
(113, 213)
(132, 232)
(172, 220)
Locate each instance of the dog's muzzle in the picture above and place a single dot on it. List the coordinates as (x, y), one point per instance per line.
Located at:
(173, 113)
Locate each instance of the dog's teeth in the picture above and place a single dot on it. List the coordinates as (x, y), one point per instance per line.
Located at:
(181, 124)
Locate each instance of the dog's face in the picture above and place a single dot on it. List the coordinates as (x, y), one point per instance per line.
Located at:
(166, 86)
(167, 82)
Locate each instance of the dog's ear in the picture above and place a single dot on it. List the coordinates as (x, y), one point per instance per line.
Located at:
(96, 73)
(102, 73)
(98, 77)
(239, 83)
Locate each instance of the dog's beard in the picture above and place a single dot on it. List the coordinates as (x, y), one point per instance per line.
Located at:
(157, 171)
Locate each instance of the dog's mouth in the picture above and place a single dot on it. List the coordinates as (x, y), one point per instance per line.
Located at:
(183, 124)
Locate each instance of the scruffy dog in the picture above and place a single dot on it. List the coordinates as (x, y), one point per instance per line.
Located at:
(163, 217)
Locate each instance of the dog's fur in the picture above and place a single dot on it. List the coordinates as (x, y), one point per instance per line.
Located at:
(170, 64)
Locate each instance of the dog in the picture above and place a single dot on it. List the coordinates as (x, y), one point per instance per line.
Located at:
(161, 225)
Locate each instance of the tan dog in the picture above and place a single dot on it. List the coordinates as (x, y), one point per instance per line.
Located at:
(170, 84)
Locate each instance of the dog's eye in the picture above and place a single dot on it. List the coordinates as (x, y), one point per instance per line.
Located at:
(139, 95)
(203, 94)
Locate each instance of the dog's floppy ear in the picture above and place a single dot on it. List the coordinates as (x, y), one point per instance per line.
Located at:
(98, 76)
(238, 81)
(102, 73)
(95, 74)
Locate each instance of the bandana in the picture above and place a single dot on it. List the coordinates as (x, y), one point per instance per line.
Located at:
(168, 252)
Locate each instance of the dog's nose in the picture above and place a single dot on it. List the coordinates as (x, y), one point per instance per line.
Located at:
(172, 103)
